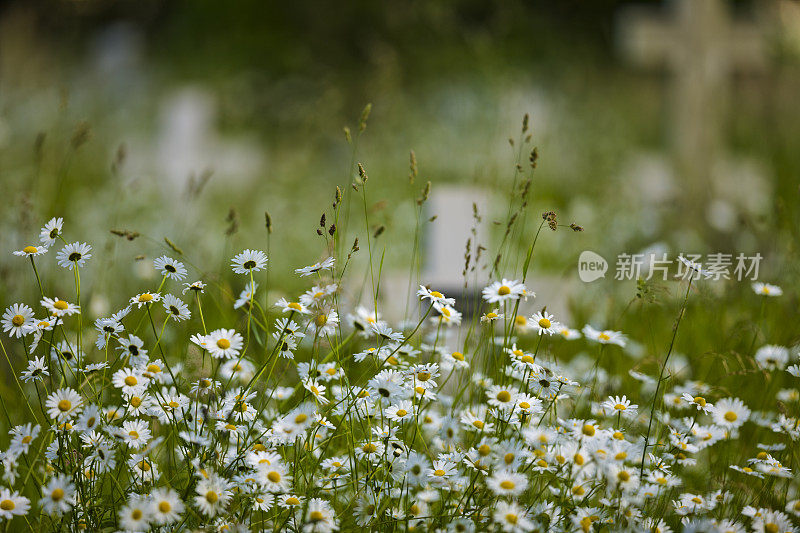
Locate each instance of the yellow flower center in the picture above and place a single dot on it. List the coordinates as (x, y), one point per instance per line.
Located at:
(146, 297)
(458, 356)
(57, 494)
(316, 516)
(504, 396)
(154, 368)
(620, 407)
(131, 381)
(699, 400)
(369, 448)
(137, 514)
(603, 337)
(18, 320)
(771, 527)
(64, 406)
(212, 497)
(437, 294)
(507, 484)
(509, 458)
(299, 419)
(623, 476)
(223, 344)
(423, 376)
(134, 434)
(7, 505)
(292, 501)
(60, 304)
(521, 321)
(30, 249)
(402, 412)
(26, 439)
(588, 430)
(511, 518)
(484, 450)
(445, 311)
(544, 323)
(618, 435)
(503, 290)
(230, 427)
(491, 315)
(294, 305)
(439, 472)
(527, 359)
(144, 466)
(164, 507)
(578, 459)
(730, 416)
(577, 490)
(478, 424)
(321, 320)
(524, 405)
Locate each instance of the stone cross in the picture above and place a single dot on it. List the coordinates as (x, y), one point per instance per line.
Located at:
(702, 45)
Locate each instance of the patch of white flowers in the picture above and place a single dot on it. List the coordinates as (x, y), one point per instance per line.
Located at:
(305, 415)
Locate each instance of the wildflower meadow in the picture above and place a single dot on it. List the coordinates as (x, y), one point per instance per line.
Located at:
(208, 399)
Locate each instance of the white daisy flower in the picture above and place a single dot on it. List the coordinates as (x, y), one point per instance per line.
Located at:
(224, 343)
(434, 296)
(511, 517)
(213, 495)
(166, 506)
(249, 260)
(196, 287)
(74, 254)
(37, 369)
(326, 264)
(763, 289)
(543, 322)
(63, 404)
(288, 307)
(145, 298)
(176, 308)
(604, 337)
(58, 496)
(317, 390)
(59, 308)
(12, 504)
(503, 291)
(507, 483)
(31, 251)
(18, 320)
(730, 412)
(51, 231)
(567, 333)
(128, 380)
(246, 296)
(772, 357)
(170, 268)
(615, 405)
(135, 433)
(698, 401)
(135, 516)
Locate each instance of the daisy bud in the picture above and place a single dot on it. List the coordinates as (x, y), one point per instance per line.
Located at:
(268, 222)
